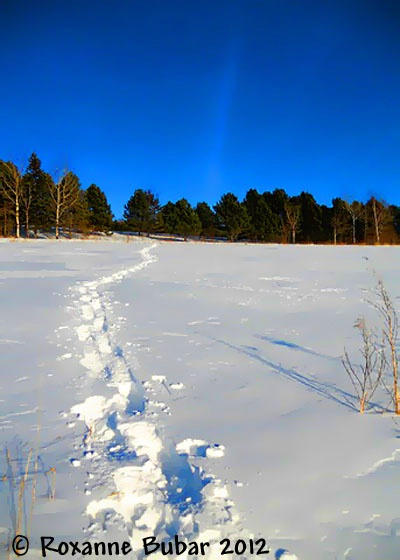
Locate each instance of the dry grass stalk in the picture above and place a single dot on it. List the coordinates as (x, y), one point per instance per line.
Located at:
(21, 494)
(366, 376)
(53, 472)
(11, 483)
(36, 467)
(33, 493)
(385, 308)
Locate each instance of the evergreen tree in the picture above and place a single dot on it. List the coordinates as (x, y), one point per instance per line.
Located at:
(6, 218)
(232, 216)
(36, 196)
(207, 218)
(188, 221)
(181, 218)
(142, 211)
(77, 217)
(99, 211)
(395, 213)
(263, 223)
(326, 224)
(277, 201)
(311, 225)
(169, 218)
(118, 225)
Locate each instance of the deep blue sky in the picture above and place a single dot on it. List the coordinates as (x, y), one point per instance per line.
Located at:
(195, 98)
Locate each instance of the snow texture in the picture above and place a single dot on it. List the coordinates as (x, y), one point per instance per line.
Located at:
(196, 390)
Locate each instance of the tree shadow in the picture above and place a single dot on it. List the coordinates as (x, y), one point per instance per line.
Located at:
(326, 390)
(293, 346)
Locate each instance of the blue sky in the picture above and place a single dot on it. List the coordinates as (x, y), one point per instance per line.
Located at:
(197, 98)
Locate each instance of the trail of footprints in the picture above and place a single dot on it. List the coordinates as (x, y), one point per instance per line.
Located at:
(157, 488)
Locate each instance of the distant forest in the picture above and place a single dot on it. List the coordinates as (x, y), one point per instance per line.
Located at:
(33, 201)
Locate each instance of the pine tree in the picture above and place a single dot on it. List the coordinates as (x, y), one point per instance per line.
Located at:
(99, 211)
(142, 211)
(36, 196)
(169, 218)
(232, 216)
(5, 215)
(311, 226)
(263, 223)
(277, 201)
(207, 218)
(77, 217)
(395, 213)
(181, 218)
(188, 221)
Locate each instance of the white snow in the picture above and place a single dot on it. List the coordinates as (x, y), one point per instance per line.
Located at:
(195, 389)
(190, 446)
(177, 386)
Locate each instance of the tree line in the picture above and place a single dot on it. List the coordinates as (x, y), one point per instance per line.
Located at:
(33, 200)
(267, 217)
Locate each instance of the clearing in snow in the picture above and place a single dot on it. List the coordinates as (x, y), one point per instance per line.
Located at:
(193, 393)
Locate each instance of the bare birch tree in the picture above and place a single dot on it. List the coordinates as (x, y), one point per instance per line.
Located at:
(339, 221)
(64, 194)
(11, 183)
(380, 216)
(26, 199)
(338, 227)
(292, 212)
(355, 209)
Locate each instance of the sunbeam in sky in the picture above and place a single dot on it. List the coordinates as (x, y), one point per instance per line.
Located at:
(225, 91)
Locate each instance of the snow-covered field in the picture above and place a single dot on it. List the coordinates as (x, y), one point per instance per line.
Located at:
(193, 390)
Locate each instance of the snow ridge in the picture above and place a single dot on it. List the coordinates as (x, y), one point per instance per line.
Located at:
(157, 489)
